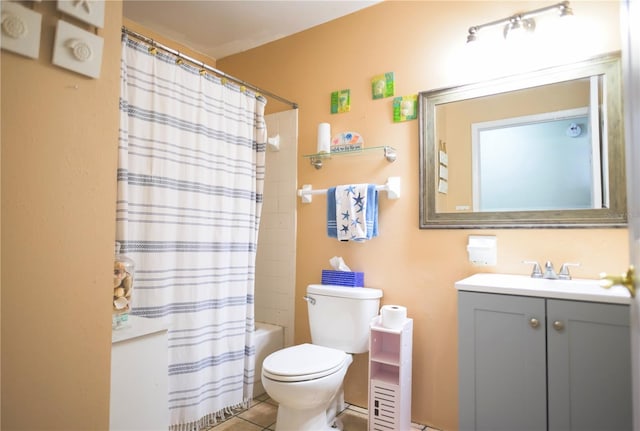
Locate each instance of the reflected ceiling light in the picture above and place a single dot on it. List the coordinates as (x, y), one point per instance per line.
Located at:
(520, 23)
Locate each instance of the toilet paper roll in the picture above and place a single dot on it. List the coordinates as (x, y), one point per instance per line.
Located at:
(393, 316)
(324, 138)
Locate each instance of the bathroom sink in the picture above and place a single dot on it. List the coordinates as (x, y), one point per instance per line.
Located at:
(523, 285)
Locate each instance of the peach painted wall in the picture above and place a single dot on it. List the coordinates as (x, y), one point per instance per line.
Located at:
(59, 150)
(424, 44)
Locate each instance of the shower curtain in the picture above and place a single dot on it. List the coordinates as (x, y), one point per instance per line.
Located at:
(190, 184)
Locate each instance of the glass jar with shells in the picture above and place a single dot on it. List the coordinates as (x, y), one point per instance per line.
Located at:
(123, 272)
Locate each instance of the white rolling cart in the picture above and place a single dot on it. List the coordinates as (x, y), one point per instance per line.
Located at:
(390, 376)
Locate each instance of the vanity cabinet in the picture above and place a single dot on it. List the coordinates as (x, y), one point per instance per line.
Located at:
(534, 363)
(139, 382)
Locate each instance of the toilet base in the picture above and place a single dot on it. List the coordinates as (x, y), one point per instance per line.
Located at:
(309, 404)
(336, 406)
(302, 420)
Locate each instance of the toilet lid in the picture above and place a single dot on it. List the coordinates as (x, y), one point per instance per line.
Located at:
(303, 362)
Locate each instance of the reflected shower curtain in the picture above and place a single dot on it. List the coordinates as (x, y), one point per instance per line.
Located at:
(190, 183)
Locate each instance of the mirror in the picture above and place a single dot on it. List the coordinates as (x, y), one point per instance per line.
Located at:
(542, 149)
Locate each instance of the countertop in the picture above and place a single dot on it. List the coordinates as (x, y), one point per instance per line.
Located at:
(138, 327)
(522, 285)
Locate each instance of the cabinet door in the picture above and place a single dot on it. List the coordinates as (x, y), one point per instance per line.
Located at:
(589, 366)
(502, 362)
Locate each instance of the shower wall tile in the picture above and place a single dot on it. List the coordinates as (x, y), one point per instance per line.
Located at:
(275, 259)
(269, 204)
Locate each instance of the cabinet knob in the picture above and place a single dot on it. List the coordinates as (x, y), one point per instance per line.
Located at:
(558, 325)
(534, 322)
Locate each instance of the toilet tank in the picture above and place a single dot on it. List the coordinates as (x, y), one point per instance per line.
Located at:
(339, 316)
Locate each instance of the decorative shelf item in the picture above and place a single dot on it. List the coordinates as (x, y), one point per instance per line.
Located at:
(316, 159)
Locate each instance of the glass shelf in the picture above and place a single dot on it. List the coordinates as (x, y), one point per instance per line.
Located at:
(317, 158)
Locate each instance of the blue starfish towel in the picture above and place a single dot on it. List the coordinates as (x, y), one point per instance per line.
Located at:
(352, 212)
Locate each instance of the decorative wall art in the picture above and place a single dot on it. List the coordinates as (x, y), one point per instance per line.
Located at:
(383, 85)
(78, 50)
(20, 29)
(405, 108)
(89, 11)
(340, 101)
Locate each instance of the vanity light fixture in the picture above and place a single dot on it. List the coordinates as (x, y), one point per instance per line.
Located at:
(520, 23)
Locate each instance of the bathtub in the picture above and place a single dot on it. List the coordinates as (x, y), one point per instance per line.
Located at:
(268, 338)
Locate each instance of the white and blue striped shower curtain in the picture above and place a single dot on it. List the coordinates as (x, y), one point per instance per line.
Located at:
(190, 184)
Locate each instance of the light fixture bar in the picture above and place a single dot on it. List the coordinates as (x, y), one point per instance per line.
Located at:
(524, 20)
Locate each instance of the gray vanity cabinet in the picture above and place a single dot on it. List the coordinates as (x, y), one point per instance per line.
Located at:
(531, 363)
(502, 362)
(589, 366)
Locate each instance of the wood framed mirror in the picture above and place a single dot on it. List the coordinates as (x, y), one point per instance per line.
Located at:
(541, 149)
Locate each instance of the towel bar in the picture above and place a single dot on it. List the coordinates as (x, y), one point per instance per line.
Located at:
(392, 187)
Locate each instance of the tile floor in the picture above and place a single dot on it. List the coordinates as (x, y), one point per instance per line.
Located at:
(262, 417)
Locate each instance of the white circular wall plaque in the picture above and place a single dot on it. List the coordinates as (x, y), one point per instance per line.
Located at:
(80, 49)
(13, 26)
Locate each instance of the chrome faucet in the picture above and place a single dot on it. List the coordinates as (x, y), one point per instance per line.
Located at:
(536, 272)
(549, 272)
(564, 271)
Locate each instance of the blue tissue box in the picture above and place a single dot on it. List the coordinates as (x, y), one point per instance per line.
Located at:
(343, 278)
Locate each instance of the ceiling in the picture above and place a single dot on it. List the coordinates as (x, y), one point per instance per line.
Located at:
(219, 28)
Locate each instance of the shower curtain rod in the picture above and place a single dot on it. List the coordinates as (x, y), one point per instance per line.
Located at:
(220, 73)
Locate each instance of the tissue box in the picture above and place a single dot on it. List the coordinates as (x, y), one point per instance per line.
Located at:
(343, 278)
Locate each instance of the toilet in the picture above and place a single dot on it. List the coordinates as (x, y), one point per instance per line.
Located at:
(306, 380)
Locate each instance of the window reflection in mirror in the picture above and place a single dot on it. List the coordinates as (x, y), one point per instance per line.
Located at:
(550, 162)
(542, 149)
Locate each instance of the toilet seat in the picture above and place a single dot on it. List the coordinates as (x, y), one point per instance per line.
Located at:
(303, 362)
